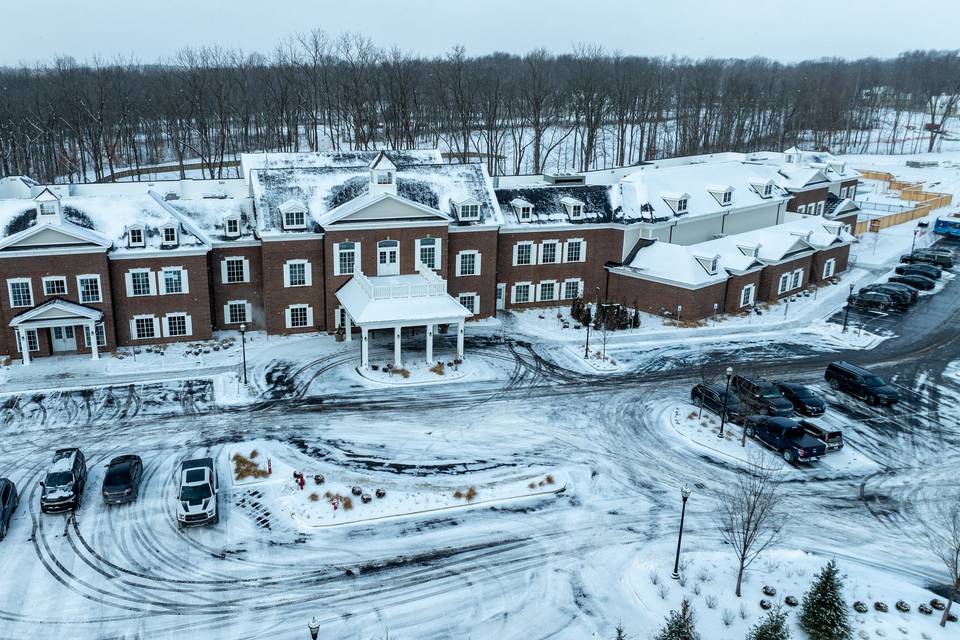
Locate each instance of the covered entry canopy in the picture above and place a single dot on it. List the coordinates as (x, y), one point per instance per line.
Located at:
(55, 313)
(400, 301)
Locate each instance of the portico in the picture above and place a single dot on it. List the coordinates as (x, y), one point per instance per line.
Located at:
(395, 302)
(61, 317)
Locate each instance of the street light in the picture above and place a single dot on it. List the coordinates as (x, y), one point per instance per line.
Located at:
(314, 626)
(846, 313)
(913, 242)
(684, 493)
(243, 348)
(586, 347)
(723, 414)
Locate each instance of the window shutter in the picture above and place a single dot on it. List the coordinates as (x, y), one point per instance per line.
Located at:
(162, 282)
(286, 274)
(516, 248)
(308, 273)
(156, 326)
(248, 311)
(246, 270)
(583, 251)
(357, 264)
(165, 325)
(309, 316)
(189, 321)
(438, 255)
(223, 271)
(286, 315)
(457, 265)
(513, 293)
(476, 304)
(226, 314)
(476, 263)
(133, 329)
(580, 288)
(185, 281)
(153, 282)
(128, 278)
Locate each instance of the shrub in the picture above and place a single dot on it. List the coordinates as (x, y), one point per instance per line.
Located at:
(437, 369)
(726, 617)
(679, 625)
(711, 601)
(244, 467)
(824, 614)
(772, 627)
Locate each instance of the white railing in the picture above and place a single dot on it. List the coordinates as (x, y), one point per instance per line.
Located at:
(434, 285)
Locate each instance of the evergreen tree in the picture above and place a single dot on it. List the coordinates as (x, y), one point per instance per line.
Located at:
(679, 625)
(773, 627)
(621, 635)
(824, 613)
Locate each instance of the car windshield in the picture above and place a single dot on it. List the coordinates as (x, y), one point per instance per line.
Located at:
(195, 492)
(873, 381)
(770, 392)
(117, 477)
(59, 479)
(803, 392)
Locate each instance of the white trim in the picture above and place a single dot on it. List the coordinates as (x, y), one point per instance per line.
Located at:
(163, 235)
(307, 273)
(531, 293)
(247, 308)
(143, 236)
(86, 334)
(558, 248)
(83, 276)
(832, 263)
(188, 322)
(566, 248)
(11, 282)
(151, 283)
(752, 288)
(540, 296)
(226, 225)
(134, 334)
(563, 290)
(475, 309)
(476, 263)
(27, 332)
(46, 279)
(783, 284)
(533, 253)
(223, 270)
(336, 258)
(288, 316)
(162, 281)
(437, 257)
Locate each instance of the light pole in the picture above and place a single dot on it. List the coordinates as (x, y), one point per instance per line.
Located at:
(723, 414)
(846, 312)
(586, 347)
(913, 242)
(314, 626)
(684, 493)
(243, 349)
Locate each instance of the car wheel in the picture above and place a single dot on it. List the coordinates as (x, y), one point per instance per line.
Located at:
(834, 384)
(3, 530)
(749, 431)
(788, 456)
(216, 519)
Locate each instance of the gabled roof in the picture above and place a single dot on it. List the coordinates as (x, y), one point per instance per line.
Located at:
(403, 209)
(383, 162)
(46, 196)
(47, 235)
(53, 310)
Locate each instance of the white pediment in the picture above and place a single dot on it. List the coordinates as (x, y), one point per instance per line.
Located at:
(381, 208)
(56, 311)
(49, 235)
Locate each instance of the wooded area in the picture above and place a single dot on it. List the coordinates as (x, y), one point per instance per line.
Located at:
(519, 114)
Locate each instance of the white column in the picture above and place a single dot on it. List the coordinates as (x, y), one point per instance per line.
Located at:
(364, 348)
(397, 362)
(94, 350)
(24, 345)
(429, 344)
(460, 339)
(348, 327)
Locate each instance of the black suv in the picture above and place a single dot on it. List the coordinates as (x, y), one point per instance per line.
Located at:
(786, 437)
(917, 282)
(902, 297)
(919, 269)
(711, 395)
(943, 259)
(805, 402)
(859, 382)
(122, 481)
(9, 501)
(66, 478)
(760, 396)
(873, 300)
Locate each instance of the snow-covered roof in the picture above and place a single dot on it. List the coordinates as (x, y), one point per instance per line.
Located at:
(414, 298)
(547, 204)
(210, 216)
(331, 159)
(801, 169)
(685, 265)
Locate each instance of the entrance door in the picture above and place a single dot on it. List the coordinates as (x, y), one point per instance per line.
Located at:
(64, 339)
(388, 258)
(501, 295)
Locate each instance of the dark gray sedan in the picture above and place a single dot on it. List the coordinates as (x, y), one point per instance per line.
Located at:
(122, 482)
(9, 501)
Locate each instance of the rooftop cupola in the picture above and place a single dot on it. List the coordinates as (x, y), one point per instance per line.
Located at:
(49, 208)
(383, 175)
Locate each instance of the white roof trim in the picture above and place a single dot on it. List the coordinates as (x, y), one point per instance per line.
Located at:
(70, 310)
(292, 205)
(362, 202)
(67, 228)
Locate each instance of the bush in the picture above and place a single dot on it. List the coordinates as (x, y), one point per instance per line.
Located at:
(679, 625)
(244, 467)
(772, 627)
(437, 368)
(824, 614)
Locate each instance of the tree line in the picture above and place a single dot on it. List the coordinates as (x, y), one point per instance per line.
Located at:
(531, 113)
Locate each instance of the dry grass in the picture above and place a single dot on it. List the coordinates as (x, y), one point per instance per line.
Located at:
(437, 368)
(470, 494)
(345, 501)
(314, 497)
(244, 467)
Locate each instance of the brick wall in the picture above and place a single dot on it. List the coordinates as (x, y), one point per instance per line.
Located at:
(277, 298)
(840, 254)
(735, 287)
(485, 284)
(221, 293)
(655, 297)
(770, 278)
(806, 197)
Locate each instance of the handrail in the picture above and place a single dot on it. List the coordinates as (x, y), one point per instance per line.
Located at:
(434, 285)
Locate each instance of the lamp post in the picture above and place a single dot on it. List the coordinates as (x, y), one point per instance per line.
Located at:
(243, 349)
(723, 414)
(586, 347)
(684, 493)
(846, 312)
(314, 626)
(913, 243)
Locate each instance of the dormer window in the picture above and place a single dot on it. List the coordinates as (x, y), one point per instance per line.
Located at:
(526, 213)
(682, 205)
(679, 202)
(768, 190)
(574, 207)
(294, 215)
(763, 187)
(135, 237)
(384, 177)
(468, 209)
(48, 207)
(722, 193)
(710, 264)
(169, 235)
(231, 227)
(522, 208)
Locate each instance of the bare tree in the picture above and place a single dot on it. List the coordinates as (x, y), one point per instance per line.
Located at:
(748, 516)
(943, 534)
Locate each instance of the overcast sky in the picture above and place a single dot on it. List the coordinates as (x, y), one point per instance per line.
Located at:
(783, 29)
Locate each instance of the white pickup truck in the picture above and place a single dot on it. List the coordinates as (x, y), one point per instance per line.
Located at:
(197, 498)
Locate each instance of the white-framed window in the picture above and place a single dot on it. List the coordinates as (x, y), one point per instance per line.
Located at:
(523, 253)
(549, 252)
(525, 213)
(173, 280)
(21, 292)
(297, 273)
(169, 235)
(576, 211)
(572, 288)
(384, 177)
(234, 270)
(54, 286)
(144, 327)
(820, 208)
(428, 251)
(236, 312)
(140, 282)
(177, 324)
(346, 255)
(575, 250)
(796, 279)
(521, 293)
(299, 316)
(231, 226)
(829, 268)
(339, 318)
(470, 300)
(48, 208)
(682, 205)
(295, 219)
(135, 237)
(768, 190)
(469, 211)
(727, 197)
(33, 340)
(547, 290)
(468, 263)
(101, 335)
(88, 286)
(747, 295)
(784, 285)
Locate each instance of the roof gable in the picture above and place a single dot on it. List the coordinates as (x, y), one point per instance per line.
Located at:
(382, 207)
(47, 235)
(56, 309)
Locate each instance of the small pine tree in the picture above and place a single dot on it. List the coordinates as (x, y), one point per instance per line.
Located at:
(621, 634)
(824, 613)
(679, 624)
(773, 627)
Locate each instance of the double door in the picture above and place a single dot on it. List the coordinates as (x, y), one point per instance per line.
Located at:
(63, 339)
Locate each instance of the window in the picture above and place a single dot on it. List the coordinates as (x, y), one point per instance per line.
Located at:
(428, 250)
(727, 197)
(576, 211)
(33, 340)
(576, 251)
(89, 287)
(235, 270)
(299, 315)
(169, 235)
(521, 292)
(21, 292)
(172, 281)
(469, 211)
(48, 208)
(236, 311)
(468, 263)
(101, 335)
(768, 190)
(548, 291)
(525, 213)
(177, 324)
(295, 219)
(232, 227)
(796, 280)
(139, 283)
(820, 208)
(135, 236)
(523, 253)
(784, 284)
(469, 300)
(144, 327)
(571, 289)
(682, 205)
(345, 258)
(747, 295)
(296, 273)
(829, 268)
(548, 252)
(384, 177)
(55, 286)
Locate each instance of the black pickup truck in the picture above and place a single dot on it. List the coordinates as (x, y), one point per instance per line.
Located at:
(786, 437)
(833, 439)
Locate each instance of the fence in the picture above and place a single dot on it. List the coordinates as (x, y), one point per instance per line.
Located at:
(926, 201)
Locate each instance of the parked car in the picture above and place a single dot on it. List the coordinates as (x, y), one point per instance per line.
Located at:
(872, 300)
(902, 298)
(711, 395)
(65, 481)
(943, 259)
(919, 269)
(918, 282)
(832, 438)
(804, 401)
(760, 396)
(913, 292)
(122, 481)
(786, 437)
(197, 497)
(861, 383)
(9, 501)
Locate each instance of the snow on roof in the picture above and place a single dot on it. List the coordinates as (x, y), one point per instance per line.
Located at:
(330, 159)
(210, 216)
(547, 203)
(365, 306)
(680, 264)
